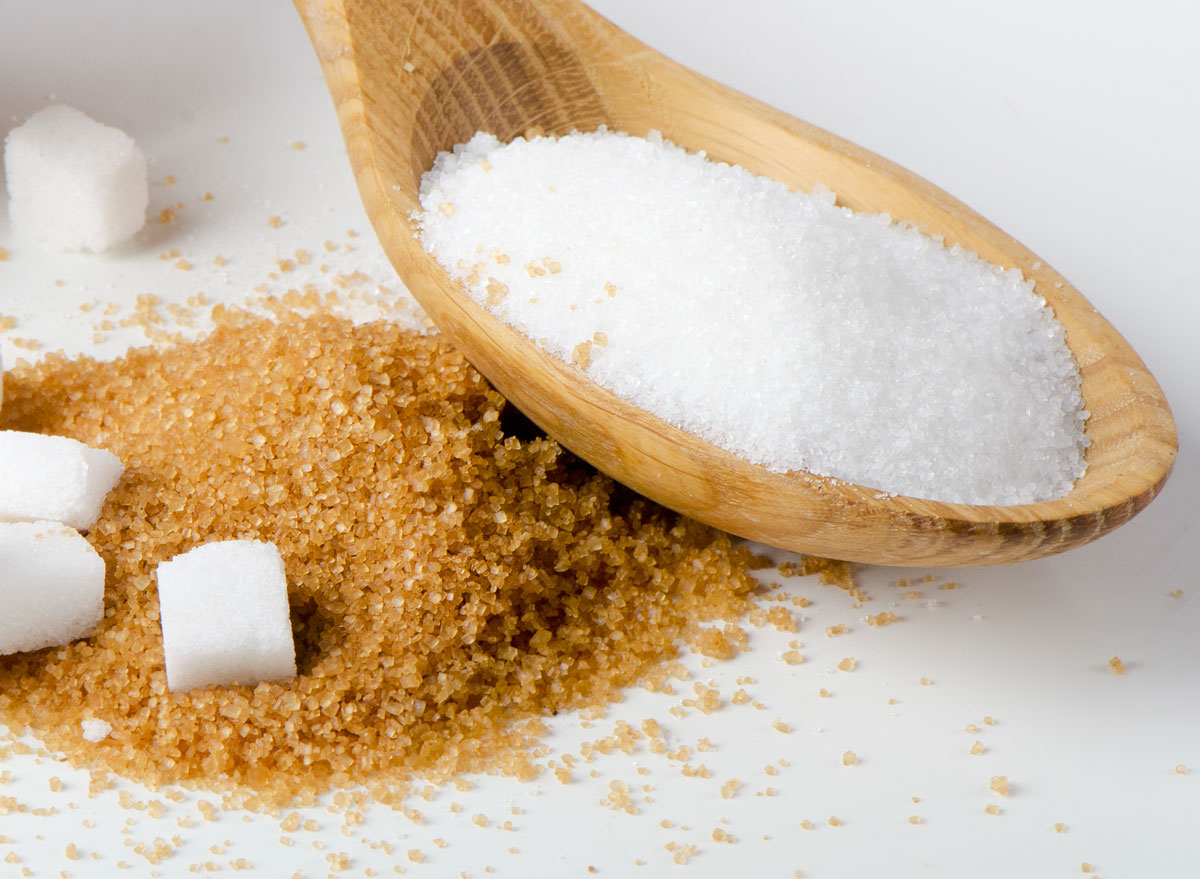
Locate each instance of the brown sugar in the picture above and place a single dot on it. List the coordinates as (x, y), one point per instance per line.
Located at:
(453, 577)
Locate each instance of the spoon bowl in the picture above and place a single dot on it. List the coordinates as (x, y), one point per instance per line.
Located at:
(410, 79)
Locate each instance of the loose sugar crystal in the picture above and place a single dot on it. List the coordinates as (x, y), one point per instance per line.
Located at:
(777, 325)
(51, 586)
(94, 730)
(224, 613)
(73, 183)
(54, 478)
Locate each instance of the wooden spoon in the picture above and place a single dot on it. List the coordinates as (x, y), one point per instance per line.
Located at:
(411, 78)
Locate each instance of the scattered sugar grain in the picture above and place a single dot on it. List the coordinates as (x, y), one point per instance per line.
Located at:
(819, 291)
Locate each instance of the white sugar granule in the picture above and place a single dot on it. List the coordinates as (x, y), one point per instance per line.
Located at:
(792, 332)
(94, 729)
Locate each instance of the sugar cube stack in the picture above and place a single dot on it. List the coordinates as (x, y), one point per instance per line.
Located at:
(54, 478)
(74, 183)
(224, 613)
(51, 586)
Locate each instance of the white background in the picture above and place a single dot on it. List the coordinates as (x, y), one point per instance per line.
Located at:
(1074, 126)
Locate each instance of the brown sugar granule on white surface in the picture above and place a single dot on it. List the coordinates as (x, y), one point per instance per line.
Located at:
(7, 322)
(1181, 770)
(849, 758)
(450, 582)
(1117, 666)
(999, 784)
(1059, 827)
(992, 809)
(848, 664)
(3, 254)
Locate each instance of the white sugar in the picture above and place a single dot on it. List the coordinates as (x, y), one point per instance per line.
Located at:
(73, 183)
(54, 478)
(94, 730)
(790, 331)
(224, 613)
(51, 586)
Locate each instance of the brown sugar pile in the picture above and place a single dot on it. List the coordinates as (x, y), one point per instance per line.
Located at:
(450, 582)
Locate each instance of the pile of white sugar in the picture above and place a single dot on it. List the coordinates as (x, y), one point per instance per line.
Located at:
(794, 333)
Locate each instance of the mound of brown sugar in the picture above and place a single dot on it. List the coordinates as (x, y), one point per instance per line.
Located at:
(450, 582)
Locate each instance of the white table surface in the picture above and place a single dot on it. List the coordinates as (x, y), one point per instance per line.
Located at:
(1075, 126)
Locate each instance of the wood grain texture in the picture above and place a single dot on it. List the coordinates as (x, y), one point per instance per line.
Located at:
(412, 78)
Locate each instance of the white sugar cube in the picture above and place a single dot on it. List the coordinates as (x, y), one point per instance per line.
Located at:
(224, 613)
(54, 478)
(73, 183)
(51, 586)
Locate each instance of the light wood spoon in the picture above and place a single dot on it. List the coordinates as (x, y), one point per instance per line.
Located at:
(411, 78)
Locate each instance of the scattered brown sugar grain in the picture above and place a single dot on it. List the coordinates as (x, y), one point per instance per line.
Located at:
(999, 784)
(1117, 666)
(451, 582)
(849, 758)
(848, 664)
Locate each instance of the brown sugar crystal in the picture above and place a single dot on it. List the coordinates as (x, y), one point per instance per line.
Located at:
(453, 578)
